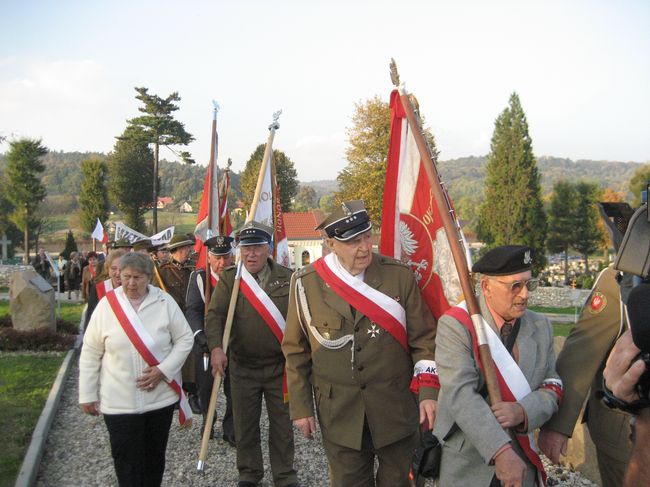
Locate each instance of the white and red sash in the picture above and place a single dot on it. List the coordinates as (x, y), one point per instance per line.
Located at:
(103, 287)
(512, 382)
(381, 309)
(145, 345)
(266, 309)
(214, 278)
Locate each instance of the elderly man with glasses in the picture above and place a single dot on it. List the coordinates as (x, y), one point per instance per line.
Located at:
(490, 444)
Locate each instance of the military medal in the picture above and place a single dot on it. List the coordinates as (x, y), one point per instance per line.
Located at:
(373, 331)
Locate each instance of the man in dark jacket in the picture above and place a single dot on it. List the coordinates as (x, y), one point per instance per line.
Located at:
(219, 257)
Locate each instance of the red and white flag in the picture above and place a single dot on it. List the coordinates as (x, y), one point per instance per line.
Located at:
(99, 234)
(411, 229)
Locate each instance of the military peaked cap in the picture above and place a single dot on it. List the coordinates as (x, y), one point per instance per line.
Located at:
(347, 221)
(219, 245)
(505, 260)
(255, 233)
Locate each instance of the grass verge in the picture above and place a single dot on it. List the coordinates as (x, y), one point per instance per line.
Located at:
(562, 329)
(25, 382)
(548, 309)
(69, 311)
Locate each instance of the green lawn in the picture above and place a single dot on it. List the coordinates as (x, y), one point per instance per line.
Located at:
(69, 311)
(25, 382)
(547, 309)
(562, 329)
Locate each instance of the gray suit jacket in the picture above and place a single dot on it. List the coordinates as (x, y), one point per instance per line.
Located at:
(468, 450)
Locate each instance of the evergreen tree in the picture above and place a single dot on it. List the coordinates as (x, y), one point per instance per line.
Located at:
(638, 183)
(158, 127)
(562, 221)
(24, 167)
(70, 245)
(130, 169)
(306, 199)
(588, 237)
(93, 197)
(286, 176)
(512, 212)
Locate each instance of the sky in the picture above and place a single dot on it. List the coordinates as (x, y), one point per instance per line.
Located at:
(68, 71)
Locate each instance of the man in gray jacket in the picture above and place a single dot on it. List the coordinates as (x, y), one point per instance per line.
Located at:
(489, 444)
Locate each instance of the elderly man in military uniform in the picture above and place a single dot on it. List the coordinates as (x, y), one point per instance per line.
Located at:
(174, 277)
(219, 257)
(356, 332)
(256, 361)
(491, 444)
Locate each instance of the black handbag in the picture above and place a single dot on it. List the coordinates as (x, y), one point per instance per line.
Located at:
(426, 459)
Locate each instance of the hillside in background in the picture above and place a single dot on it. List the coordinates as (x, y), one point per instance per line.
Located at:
(463, 176)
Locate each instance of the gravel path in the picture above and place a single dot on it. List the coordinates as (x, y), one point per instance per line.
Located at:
(77, 453)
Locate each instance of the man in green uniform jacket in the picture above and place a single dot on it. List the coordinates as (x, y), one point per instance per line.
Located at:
(359, 368)
(256, 362)
(580, 364)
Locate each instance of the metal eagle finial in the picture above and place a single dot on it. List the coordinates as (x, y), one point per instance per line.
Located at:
(275, 125)
(394, 75)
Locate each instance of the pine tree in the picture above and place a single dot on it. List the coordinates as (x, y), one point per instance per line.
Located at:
(130, 168)
(588, 236)
(512, 212)
(286, 174)
(70, 245)
(93, 197)
(158, 127)
(24, 167)
(562, 221)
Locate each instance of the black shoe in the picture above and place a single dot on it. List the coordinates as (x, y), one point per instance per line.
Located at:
(230, 440)
(245, 483)
(194, 403)
(295, 484)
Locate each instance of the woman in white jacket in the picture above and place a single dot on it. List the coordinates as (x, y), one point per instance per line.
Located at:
(129, 370)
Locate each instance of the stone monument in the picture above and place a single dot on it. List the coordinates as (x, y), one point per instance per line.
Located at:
(31, 301)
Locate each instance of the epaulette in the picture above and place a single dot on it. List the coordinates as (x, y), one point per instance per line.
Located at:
(303, 271)
(385, 260)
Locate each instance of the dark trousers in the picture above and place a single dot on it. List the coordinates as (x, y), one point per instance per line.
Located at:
(204, 380)
(355, 468)
(248, 386)
(138, 445)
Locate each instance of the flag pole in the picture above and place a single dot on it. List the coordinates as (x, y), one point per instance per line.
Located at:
(214, 182)
(452, 230)
(205, 440)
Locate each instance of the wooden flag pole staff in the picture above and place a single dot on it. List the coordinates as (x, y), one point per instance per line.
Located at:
(205, 440)
(450, 225)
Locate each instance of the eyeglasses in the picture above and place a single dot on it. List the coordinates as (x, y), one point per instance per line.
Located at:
(517, 286)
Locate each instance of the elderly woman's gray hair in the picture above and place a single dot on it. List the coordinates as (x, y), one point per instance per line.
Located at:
(137, 262)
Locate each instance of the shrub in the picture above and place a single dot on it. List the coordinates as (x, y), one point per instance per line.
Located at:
(41, 339)
(38, 340)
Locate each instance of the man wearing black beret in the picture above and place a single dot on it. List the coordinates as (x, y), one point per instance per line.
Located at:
(219, 258)
(490, 444)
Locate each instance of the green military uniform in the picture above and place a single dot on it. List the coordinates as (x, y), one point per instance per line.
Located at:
(580, 365)
(256, 368)
(176, 278)
(361, 389)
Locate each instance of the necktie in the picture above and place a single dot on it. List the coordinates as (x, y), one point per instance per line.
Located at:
(505, 332)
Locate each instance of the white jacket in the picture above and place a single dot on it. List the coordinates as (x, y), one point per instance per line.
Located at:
(109, 364)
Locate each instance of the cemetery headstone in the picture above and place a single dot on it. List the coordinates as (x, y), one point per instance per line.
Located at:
(31, 301)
